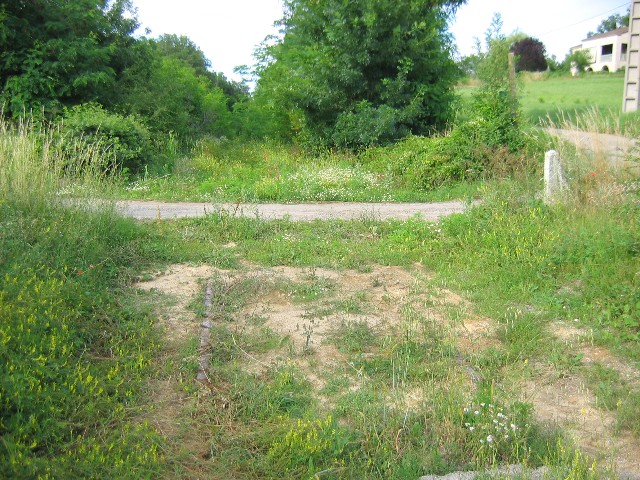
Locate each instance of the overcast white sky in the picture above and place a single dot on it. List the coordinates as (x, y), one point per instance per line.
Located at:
(228, 31)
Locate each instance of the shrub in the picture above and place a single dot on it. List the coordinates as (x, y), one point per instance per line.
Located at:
(367, 126)
(581, 58)
(126, 136)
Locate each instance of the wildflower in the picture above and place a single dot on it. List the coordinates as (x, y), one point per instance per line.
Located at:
(513, 427)
(490, 439)
(477, 412)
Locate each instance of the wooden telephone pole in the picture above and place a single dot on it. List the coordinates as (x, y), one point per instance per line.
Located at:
(631, 99)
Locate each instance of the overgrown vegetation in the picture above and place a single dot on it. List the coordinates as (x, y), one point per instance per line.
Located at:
(412, 396)
(75, 353)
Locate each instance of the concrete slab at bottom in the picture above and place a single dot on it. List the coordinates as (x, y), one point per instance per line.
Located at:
(508, 471)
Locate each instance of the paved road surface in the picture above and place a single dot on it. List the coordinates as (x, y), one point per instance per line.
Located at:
(148, 210)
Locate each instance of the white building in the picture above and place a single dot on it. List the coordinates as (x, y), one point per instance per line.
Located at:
(607, 51)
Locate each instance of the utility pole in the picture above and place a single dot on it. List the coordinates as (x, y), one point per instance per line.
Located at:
(631, 99)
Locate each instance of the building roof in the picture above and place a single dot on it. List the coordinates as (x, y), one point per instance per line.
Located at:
(613, 33)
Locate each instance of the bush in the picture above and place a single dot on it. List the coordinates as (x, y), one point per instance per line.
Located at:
(125, 136)
(420, 162)
(367, 126)
(581, 58)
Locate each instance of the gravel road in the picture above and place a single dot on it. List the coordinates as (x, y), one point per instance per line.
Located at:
(150, 210)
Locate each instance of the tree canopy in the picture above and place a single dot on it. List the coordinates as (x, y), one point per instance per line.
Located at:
(361, 72)
(56, 53)
(611, 23)
(530, 54)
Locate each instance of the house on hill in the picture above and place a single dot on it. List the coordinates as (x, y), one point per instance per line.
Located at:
(607, 51)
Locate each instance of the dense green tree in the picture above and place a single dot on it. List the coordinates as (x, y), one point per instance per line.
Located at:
(55, 53)
(530, 55)
(182, 48)
(361, 72)
(171, 96)
(612, 22)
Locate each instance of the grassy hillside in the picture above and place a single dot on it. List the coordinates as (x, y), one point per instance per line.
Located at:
(545, 98)
(557, 95)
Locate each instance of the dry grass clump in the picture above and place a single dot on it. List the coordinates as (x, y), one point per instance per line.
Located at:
(600, 163)
(38, 161)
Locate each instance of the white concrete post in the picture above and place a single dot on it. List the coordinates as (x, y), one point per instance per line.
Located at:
(554, 181)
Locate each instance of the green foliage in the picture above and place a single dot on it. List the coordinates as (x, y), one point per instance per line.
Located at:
(61, 53)
(184, 49)
(495, 108)
(72, 358)
(125, 137)
(495, 437)
(74, 352)
(580, 58)
(171, 97)
(367, 126)
(310, 446)
(361, 73)
(519, 248)
(424, 163)
(612, 22)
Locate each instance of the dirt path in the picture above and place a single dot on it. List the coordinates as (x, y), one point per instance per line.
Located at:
(149, 210)
(614, 147)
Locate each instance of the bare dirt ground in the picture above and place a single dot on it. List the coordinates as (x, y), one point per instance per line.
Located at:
(386, 295)
(150, 210)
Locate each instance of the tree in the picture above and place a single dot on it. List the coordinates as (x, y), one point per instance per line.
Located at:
(56, 53)
(611, 23)
(362, 72)
(530, 54)
(184, 49)
(172, 97)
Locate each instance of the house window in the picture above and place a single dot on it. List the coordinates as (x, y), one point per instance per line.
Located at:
(623, 52)
(606, 54)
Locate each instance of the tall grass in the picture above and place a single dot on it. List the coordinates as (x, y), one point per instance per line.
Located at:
(601, 164)
(37, 162)
(74, 351)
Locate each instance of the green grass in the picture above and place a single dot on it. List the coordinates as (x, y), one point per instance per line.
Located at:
(556, 99)
(75, 349)
(266, 173)
(555, 96)
(78, 348)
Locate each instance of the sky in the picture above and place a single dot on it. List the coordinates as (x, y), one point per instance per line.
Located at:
(228, 31)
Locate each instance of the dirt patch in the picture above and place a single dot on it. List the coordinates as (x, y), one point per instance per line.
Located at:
(579, 339)
(312, 311)
(180, 283)
(567, 403)
(594, 354)
(316, 311)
